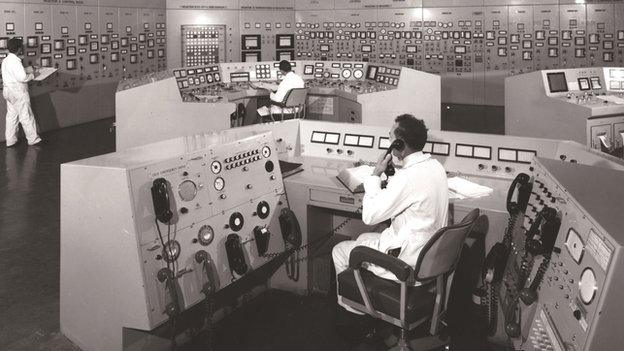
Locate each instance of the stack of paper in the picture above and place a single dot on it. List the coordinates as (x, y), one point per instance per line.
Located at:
(467, 189)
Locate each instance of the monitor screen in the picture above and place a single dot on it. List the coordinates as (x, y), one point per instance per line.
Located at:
(251, 56)
(285, 41)
(557, 82)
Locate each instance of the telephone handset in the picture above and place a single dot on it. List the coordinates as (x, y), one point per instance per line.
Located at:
(160, 199)
(291, 232)
(522, 184)
(399, 145)
(235, 254)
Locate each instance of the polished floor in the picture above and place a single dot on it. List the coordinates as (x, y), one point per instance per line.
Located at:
(29, 260)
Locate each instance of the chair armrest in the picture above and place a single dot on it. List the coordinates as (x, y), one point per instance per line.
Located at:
(277, 103)
(362, 254)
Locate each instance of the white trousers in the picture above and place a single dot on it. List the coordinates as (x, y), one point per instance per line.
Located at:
(19, 111)
(341, 252)
(276, 110)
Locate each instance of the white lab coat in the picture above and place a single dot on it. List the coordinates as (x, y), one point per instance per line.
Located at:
(15, 92)
(416, 201)
(290, 81)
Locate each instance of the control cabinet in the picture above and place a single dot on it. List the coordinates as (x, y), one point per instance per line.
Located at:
(168, 224)
(585, 105)
(578, 304)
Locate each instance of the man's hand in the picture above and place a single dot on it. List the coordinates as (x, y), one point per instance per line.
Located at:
(382, 163)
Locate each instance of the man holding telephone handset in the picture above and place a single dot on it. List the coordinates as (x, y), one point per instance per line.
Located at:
(415, 200)
(15, 80)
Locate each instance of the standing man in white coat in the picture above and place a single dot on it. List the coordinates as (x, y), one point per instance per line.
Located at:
(15, 91)
(415, 200)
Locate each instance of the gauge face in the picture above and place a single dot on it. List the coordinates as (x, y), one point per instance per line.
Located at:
(187, 190)
(237, 221)
(346, 74)
(171, 251)
(215, 167)
(263, 210)
(205, 235)
(209, 78)
(219, 184)
(266, 151)
(358, 74)
(587, 286)
(217, 77)
(575, 245)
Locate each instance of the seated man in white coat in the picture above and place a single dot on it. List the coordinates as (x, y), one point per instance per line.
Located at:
(415, 200)
(290, 81)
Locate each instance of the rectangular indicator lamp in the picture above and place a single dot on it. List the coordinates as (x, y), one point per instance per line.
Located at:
(384, 143)
(4, 43)
(335, 65)
(371, 72)
(367, 48)
(359, 140)
(94, 58)
(308, 69)
(46, 62)
(584, 83)
(239, 77)
(83, 40)
(516, 155)
(70, 64)
(440, 148)
(595, 83)
(319, 64)
(46, 48)
(59, 45)
(285, 41)
(324, 48)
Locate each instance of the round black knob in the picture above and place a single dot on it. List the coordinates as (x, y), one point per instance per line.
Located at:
(184, 210)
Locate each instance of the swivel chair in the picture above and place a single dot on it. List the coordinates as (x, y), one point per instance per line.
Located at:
(294, 103)
(401, 303)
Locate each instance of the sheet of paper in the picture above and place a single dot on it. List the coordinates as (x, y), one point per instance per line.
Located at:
(44, 73)
(466, 188)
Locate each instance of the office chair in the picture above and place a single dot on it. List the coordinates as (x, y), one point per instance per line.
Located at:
(401, 303)
(294, 103)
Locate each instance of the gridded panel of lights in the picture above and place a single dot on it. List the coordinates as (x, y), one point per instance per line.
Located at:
(202, 44)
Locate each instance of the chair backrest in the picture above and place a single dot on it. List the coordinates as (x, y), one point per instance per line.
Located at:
(296, 97)
(441, 253)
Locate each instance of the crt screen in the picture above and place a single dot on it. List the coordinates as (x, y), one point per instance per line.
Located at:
(557, 82)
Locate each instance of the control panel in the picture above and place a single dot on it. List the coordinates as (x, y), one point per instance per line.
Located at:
(198, 214)
(203, 44)
(575, 308)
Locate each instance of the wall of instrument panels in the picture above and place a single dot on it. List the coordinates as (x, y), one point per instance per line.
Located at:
(93, 43)
(472, 44)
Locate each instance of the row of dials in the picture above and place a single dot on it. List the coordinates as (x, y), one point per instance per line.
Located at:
(206, 234)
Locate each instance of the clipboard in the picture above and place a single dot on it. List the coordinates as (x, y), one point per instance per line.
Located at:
(44, 73)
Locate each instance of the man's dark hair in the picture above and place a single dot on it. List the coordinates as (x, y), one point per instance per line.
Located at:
(411, 130)
(285, 66)
(14, 45)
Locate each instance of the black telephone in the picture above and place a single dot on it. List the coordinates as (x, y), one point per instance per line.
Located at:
(291, 231)
(235, 254)
(160, 199)
(399, 145)
(290, 228)
(523, 185)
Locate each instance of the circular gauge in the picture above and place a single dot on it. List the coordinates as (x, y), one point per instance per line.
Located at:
(215, 167)
(587, 286)
(187, 190)
(266, 151)
(326, 75)
(263, 210)
(346, 74)
(205, 235)
(236, 221)
(383, 31)
(269, 166)
(219, 184)
(171, 251)
(209, 78)
(358, 74)
(217, 77)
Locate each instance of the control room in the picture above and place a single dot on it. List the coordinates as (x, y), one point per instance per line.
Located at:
(348, 175)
